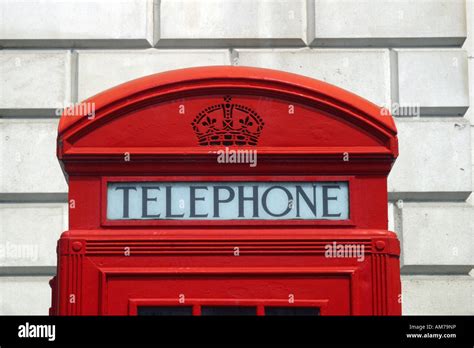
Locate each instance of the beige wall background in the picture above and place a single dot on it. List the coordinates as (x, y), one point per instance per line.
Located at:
(396, 53)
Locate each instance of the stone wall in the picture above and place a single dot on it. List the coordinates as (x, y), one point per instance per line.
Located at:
(400, 54)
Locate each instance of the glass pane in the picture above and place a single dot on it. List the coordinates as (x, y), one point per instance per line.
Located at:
(291, 311)
(228, 310)
(166, 310)
(315, 200)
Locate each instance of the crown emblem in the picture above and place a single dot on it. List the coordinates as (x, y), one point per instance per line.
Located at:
(227, 124)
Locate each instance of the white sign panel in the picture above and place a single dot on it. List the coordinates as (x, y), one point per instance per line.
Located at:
(228, 200)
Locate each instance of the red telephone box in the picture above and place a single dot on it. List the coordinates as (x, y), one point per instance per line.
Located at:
(227, 190)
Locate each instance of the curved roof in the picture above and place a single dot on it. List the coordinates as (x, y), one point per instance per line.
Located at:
(373, 118)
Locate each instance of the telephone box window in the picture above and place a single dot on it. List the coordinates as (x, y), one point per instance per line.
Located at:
(228, 310)
(166, 310)
(292, 311)
(317, 200)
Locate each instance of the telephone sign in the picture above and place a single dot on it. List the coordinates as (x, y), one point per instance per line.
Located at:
(228, 201)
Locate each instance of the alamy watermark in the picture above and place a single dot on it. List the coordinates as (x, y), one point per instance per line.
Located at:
(85, 109)
(19, 251)
(228, 155)
(336, 250)
(28, 330)
(398, 110)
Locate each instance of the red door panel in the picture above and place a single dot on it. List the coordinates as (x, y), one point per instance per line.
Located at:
(332, 296)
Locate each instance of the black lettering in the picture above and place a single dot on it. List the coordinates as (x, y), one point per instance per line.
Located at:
(193, 199)
(253, 198)
(146, 199)
(217, 200)
(169, 214)
(311, 205)
(126, 199)
(326, 200)
(264, 201)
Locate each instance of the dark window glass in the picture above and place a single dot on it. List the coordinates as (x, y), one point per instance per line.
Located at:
(166, 310)
(290, 311)
(228, 310)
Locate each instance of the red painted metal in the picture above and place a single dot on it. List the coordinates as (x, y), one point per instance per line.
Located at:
(312, 131)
